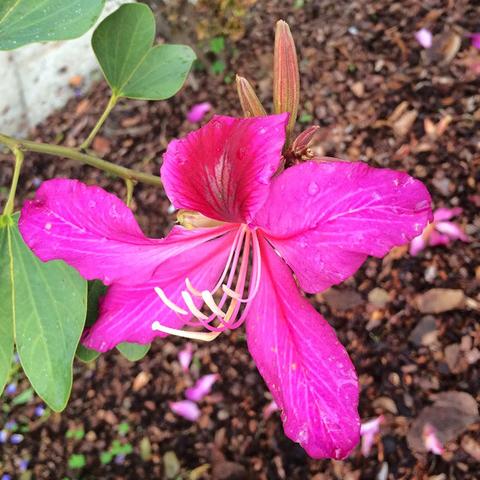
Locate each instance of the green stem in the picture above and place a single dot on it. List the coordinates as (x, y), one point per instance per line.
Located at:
(111, 103)
(73, 154)
(16, 173)
(130, 186)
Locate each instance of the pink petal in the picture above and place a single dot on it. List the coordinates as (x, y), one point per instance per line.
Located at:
(424, 37)
(201, 388)
(185, 357)
(452, 230)
(198, 111)
(271, 408)
(437, 238)
(441, 214)
(186, 409)
(431, 441)
(304, 365)
(223, 169)
(338, 213)
(417, 245)
(92, 230)
(475, 38)
(128, 311)
(368, 431)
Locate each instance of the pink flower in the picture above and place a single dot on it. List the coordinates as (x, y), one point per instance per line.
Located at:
(475, 38)
(201, 388)
(186, 409)
(440, 232)
(271, 408)
(431, 441)
(185, 357)
(318, 220)
(424, 37)
(198, 111)
(369, 431)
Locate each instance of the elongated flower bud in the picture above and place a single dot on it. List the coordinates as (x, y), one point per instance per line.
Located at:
(302, 143)
(251, 105)
(286, 78)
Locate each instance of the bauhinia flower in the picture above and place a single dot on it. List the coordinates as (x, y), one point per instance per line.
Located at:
(440, 232)
(431, 441)
(424, 37)
(369, 432)
(198, 111)
(250, 240)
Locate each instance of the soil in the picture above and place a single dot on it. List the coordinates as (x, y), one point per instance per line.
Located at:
(359, 62)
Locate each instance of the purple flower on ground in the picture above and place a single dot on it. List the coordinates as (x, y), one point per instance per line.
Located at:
(185, 357)
(201, 388)
(6, 476)
(39, 410)
(119, 459)
(424, 37)
(440, 232)
(250, 241)
(186, 409)
(23, 465)
(3, 436)
(16, 438)
(369, 431)
(198, 111)
(11, 425)
(11, 388)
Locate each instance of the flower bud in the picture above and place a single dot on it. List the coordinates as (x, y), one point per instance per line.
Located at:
(251, 105)
(286, 78)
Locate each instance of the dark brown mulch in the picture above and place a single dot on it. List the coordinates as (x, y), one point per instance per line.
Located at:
(359, 62)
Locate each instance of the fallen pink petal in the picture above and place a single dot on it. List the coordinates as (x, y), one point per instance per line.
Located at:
(475, 39)
(185, 357)
(431, 441)
(369, 431)
(441, 232)
(198, 112)
(270, 409)
(202, 387)
(424, 37)
(186, 409)
(240, 255)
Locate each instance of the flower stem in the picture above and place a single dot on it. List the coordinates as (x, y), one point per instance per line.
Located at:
(111, 103)
(16, 173)
(73, 154)
(130, 184)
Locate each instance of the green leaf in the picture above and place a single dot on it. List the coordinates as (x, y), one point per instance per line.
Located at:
(6, 322)
(133, 351)
(48, 310)
(28, 21)
(25, 397)
(77, 461)
(217, 45)
(218, 67)
(96, 289)
(133, 67)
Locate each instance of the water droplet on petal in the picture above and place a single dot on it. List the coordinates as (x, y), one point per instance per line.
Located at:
(312, 188)
(48, 226)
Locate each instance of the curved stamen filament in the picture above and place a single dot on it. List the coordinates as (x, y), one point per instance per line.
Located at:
(204, 336)
(234, 295)
(169, 303)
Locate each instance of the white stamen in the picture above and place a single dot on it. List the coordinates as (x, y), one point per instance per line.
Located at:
(204, 336)
(187, 298)
(192, 289)
(168, 302)
(210, 302)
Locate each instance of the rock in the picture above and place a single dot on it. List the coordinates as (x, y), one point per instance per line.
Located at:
(385, 404)
(452, 357)
(425, 333)
(472, 447)
(438, 300)
(342, 300)
(378, 297)
(451, 413)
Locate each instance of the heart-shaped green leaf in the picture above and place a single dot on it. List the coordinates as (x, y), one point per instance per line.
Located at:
(133, 351)
(47, 311)
(28, 21)
(133, 67)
